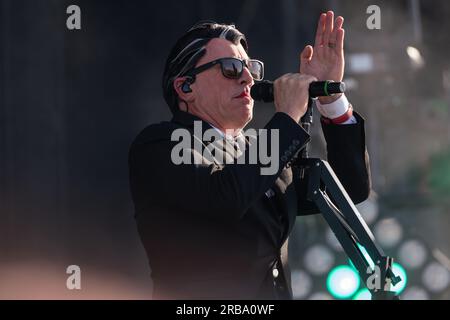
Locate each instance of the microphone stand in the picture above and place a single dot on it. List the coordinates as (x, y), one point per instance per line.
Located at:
(333, 202)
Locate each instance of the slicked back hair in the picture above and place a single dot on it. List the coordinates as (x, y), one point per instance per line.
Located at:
(189, 49)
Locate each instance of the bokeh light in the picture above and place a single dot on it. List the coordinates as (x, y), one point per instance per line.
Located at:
(343, 282)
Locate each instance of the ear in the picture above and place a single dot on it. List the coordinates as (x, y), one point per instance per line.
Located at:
(178, 84)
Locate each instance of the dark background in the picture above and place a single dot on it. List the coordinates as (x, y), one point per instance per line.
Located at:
(71, 103)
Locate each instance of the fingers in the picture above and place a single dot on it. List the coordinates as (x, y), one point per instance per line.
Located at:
(291, 94)
(306, 57)
(337, 26)
(339, 23)
(320, 30)
(297, 77)
(329, 31)
(329, 23)
(340, 35)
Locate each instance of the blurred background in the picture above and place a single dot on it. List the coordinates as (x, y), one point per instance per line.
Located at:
(71, 102)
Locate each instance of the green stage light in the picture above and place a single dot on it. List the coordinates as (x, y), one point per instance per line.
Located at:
(342, 282)
(401, 272)
(363, 294)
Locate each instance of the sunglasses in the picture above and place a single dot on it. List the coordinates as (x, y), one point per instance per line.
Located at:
(233, 68)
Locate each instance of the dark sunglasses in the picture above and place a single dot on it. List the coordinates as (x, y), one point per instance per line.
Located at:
(233, 68)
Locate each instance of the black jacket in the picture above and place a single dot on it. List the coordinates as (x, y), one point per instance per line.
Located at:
(214, 231)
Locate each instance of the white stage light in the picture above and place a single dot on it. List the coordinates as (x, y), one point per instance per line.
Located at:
(388, 232)
(412, 254)
(318, 259)
(435, 277)
(320, 296)
(301, 284)
(415, 293)
(416, 57)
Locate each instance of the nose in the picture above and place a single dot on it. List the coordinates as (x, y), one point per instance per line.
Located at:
(246, 77)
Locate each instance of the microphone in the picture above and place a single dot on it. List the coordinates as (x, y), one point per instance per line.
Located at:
(263, 90)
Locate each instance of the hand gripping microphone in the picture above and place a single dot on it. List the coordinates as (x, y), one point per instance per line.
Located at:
(263, 90)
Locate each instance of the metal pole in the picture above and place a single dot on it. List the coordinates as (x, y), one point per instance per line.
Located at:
(417, 20)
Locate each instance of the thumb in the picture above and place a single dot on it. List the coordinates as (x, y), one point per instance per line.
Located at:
(307, 54)
(305, 57)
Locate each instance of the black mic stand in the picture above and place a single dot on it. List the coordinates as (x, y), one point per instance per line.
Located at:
(358, 242)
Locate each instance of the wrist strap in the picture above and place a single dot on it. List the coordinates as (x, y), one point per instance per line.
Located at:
(341, 119)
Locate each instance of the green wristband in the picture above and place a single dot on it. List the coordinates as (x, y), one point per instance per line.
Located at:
(325, 88)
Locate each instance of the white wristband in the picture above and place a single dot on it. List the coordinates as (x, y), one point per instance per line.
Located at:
(335, 109)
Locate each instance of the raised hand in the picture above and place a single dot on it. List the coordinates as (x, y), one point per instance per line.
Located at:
(326, 60)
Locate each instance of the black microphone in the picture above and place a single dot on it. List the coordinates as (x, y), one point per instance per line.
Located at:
(263, 90)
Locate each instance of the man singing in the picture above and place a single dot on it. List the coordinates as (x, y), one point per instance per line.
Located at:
(215, 229)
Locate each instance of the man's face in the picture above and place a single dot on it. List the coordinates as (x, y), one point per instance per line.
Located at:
(225, 102)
